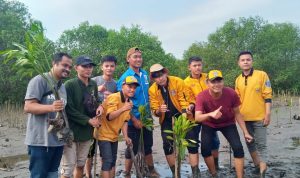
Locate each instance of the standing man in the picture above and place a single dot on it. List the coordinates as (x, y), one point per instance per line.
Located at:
(254, 89)
(44, 149)
(106, 83)
(106, 86)
(167, 100)
(218, 110)
(135, 61)
(81, 119)
(195, 84)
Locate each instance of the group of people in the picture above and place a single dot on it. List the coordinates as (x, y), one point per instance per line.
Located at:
(200, 97)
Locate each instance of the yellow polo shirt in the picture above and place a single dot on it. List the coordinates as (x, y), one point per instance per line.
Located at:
(254, 90)
(194, 87)
(110, 129)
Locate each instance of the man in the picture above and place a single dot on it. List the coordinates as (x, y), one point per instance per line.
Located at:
(116, 115)
(45, 149)
(106, 86)
(218, 110)
(167, 100)
(254, 89)
(80, 118)
(134, 60)
(195, 84)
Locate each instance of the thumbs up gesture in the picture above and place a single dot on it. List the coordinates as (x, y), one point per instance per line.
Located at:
(217, 113)
(127, 106)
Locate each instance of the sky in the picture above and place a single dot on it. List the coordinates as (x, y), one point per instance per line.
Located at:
(176, 23)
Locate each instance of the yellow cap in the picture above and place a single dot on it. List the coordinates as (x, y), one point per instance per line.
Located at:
(213, 74)
(131, 80)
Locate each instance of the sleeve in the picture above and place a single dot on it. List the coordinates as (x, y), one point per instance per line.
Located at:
(266, 88)
(153, 99)
(112, 104)
(199, 103)
(36, 88)
(72, 111)
(182, 100)
(236, 87)
(188, 93)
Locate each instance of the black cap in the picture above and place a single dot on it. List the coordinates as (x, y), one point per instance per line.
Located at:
(84, 60)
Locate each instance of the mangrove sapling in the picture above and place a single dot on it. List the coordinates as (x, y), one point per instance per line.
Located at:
(139, 160)
(31, 59)
(276, 112)
(180, 128)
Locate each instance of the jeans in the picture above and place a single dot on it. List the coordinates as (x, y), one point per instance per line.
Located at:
(44, 161)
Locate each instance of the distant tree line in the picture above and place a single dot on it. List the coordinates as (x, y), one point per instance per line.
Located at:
(276, 48)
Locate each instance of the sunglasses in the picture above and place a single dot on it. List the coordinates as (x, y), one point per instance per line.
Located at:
(157, 74)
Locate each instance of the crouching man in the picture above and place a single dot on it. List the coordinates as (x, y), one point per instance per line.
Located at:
(218, 110)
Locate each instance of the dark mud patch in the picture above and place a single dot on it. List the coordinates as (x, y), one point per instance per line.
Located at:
(9, 162)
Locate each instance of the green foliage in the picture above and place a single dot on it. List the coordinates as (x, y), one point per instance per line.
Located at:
(180, 128)
(96, 41)
(13, 25)
(33, 57)
(145, 117)
(275, 48)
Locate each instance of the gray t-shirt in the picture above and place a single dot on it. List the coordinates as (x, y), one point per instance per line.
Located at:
(37, 125)
(109, 85)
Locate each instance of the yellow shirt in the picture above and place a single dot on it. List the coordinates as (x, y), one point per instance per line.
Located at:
(253, 91)
(110, 129)
(194, 87)
(176, 92)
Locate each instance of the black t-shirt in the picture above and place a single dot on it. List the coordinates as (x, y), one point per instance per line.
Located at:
(171, 108)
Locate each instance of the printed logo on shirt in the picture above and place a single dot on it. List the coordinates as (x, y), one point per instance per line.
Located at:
(50, 98)
(146, 80)
(268, 83)
(257, 89)
(172, 92)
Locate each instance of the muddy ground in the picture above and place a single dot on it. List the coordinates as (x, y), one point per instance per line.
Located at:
(283, 148)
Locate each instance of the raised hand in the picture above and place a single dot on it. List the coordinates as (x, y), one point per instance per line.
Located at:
(217, 113)
(127, 106)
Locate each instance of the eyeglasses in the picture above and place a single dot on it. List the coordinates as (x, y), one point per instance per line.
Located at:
(87, 66)
(136, 56)
(157, 74)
